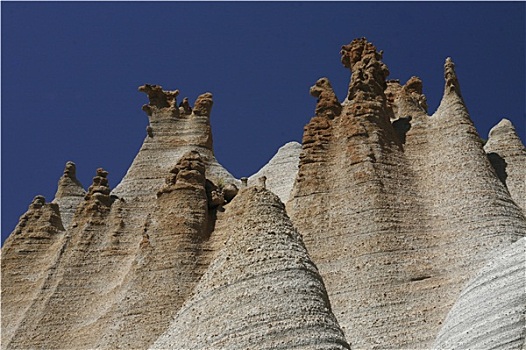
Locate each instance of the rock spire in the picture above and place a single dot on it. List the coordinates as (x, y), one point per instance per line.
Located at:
(261, 291)
(397, 226)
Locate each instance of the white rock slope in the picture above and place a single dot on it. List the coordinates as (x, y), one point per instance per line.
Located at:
(490, 312)
(280, 171)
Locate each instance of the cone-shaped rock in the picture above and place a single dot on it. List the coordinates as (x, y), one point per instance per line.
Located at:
(280, 171)
(396, 207)
(398, 210)
(507, 154)
(262, 290)
(170, 259)
(28, 255)
(69, 195)
(172, 131)
(82, 280)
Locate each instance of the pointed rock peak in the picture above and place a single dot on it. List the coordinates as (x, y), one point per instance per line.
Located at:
(160, 100)
(414, 84)
(503, 135)
(406, 100)
(289, 145)
(503, 127)
(70, 170)
(40, 218)
(450, 76)
(68, 184)
(100, 190)
(203, 104)
(368, 71)
(358, 49)
(413, 89)
(261, 291)
(258, 195)
(327, 104)
(38, 202)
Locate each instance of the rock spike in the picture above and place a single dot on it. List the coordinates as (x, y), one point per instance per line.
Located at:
(327, 104)
(368, 71)
(203, 104)
(186, 109)
(100, 188)
(70, 193)
(450, 77)
(263, 282)
(507, 155)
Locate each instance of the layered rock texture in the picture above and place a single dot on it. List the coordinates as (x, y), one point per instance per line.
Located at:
(490, 311)
(262, 291)
(387, 228)
(280, 172)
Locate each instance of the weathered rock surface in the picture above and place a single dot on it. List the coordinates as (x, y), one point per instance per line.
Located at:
(172, 131)
(508, 156)
(170, 260)
(261, 291)
(28, 256)
(401, 231)
(490, 313)
(96, 290)
(397, 209)
(280, 171)
(69, 195)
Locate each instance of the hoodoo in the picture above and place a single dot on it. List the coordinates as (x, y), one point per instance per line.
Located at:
(387, 227)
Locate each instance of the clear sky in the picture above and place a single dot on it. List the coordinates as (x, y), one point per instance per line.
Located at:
(70, 72)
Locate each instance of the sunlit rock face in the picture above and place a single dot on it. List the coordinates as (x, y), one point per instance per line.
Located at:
(397, 208)
(386, 227)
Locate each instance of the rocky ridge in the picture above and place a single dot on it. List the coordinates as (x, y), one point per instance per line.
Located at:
(385, 228)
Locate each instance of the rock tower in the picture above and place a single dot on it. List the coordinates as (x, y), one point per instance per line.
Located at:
(387, 228)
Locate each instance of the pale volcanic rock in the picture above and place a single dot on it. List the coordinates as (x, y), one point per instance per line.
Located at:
(170, 260)
(81, 282)
(28, 256)
(404, 232)
(172, 132)
(70, 193)
(261, 291)
(100, 253)
(280, 171)
(490, 313)
(398, 217)
(507, 154)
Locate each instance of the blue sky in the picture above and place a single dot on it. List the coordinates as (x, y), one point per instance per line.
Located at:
(70, 72)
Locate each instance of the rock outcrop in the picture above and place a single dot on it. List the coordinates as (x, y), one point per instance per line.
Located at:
(114, 243)
(280, 171)
(169, 261)
(508, 157)
(399, 230)
(28, 256)
(261, 291)
(69, 195)
(398, 209)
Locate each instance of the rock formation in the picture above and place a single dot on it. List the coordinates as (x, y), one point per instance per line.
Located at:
(508, 156)
(261, 291)
(280, 171)
(69, 195)
(398, 209)
(386, 228)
